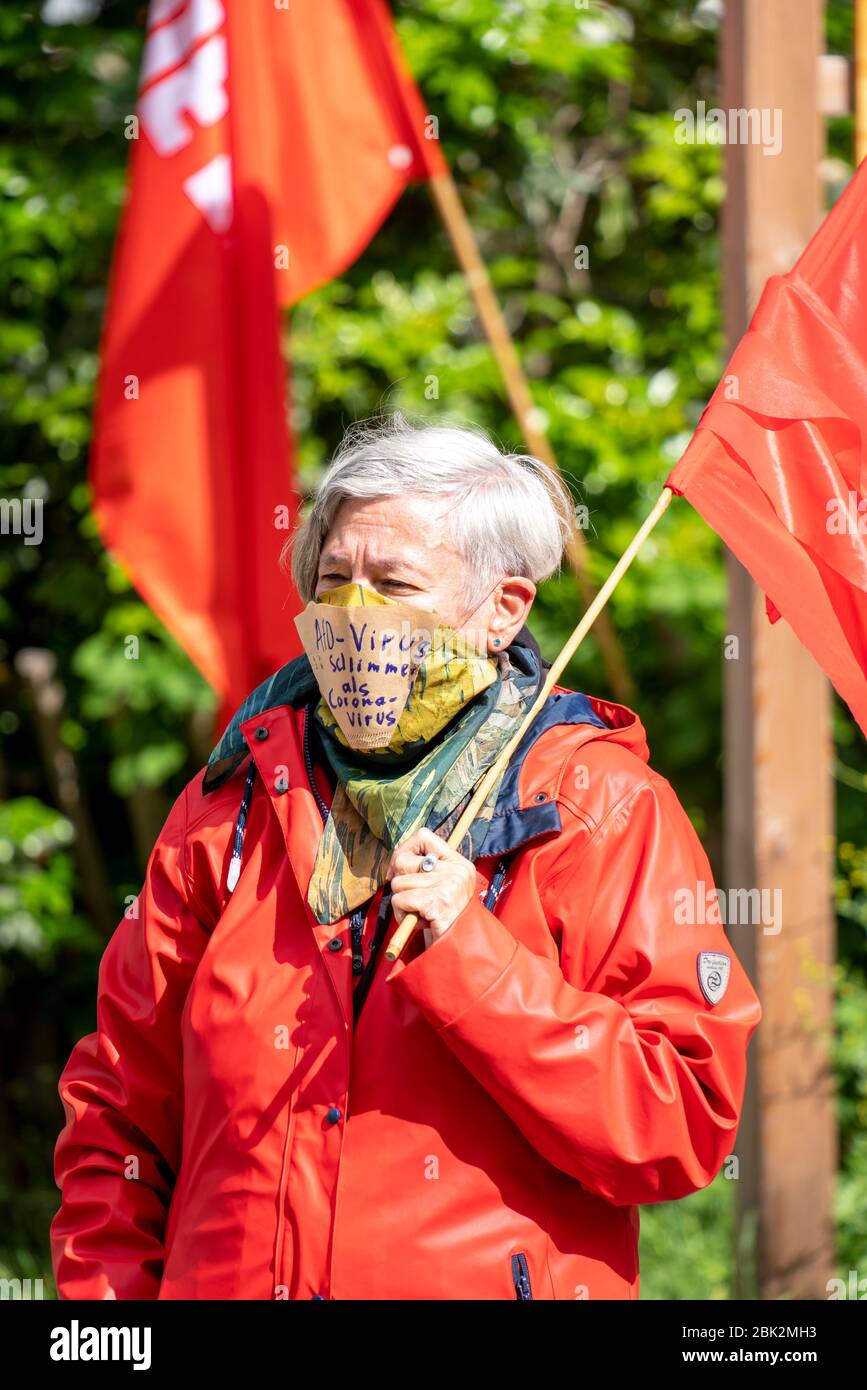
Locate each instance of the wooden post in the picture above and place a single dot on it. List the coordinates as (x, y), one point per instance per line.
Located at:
(463, 240)
(779, 810)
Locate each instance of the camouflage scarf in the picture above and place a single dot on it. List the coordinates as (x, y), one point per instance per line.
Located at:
(379, 800)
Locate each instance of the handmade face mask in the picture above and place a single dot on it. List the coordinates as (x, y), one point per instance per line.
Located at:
(390, 674)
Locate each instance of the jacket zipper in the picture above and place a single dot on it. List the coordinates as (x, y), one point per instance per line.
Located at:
(308, 763)
(363, 985)
(356, 931)
(495, 887)
(521, 1277)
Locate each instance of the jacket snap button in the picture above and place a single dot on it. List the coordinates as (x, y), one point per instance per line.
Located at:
(281, 787)
(541, 796)
(336, 944)
(261, 732)
(317, 1295)
(333, 1115)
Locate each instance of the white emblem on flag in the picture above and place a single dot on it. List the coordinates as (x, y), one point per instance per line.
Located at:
(167, 45)
(210, 190)
(714, 971)
(184, 86)
(179, 81)
(197, 89)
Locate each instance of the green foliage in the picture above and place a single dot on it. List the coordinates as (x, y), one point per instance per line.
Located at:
(686, 1247)
(601, 236)
(37, 899)
(851, 1072)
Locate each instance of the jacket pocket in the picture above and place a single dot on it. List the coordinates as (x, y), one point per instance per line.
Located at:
(521, 1277)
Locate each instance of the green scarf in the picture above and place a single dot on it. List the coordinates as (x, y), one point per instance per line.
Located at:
(380, 800)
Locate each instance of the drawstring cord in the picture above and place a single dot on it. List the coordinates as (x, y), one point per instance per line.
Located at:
(240, 826)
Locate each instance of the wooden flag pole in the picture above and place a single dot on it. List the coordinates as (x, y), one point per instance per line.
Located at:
(860, 81)
(466, 249)
(410, 922)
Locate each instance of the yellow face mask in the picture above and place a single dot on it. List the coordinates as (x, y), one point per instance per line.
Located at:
(388, 679)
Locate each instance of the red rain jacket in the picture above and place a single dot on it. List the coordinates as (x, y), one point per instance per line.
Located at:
(507, 1098)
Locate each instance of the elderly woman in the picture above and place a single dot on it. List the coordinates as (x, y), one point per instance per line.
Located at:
(269, 1108)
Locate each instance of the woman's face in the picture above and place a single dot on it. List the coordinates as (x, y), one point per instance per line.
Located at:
(401, 548)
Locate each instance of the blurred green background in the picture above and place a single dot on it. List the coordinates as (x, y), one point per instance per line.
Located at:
(557, 121)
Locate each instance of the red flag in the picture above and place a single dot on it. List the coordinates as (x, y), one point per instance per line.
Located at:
(271, 143)
(777, 465)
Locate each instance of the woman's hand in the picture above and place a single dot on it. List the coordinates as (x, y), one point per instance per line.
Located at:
(438, 896)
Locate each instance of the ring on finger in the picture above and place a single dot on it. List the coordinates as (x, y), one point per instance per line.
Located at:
(428, 864)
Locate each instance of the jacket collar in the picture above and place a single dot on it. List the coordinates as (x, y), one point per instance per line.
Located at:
(295, 685)
(513, 824)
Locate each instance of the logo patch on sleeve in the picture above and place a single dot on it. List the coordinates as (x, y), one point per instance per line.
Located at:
(714, 972)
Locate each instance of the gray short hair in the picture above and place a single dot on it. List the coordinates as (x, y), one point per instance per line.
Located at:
(512, 515)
